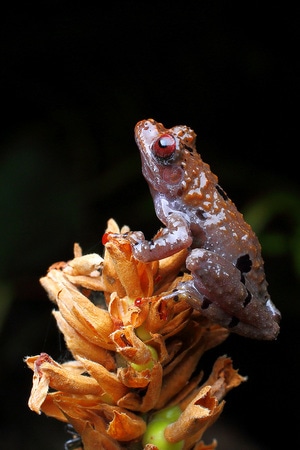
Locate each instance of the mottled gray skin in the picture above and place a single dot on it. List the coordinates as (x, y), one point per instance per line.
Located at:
(228, 280)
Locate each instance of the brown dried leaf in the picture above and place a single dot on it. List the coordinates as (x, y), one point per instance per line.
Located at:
(136, 277)
(79, 346)
(125, 311)
(195, 419)
(168, 270)
(40, 385)
(92, 430)
(84, 265)
(164, 316)
(180, 369)
(94, 323)
(125, 426)
(132, 348)
(145, 401)
(222, 379)
(87, 282)
(109, 382)
(48, 373)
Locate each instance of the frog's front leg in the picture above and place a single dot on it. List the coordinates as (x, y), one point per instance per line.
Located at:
(218, 291)
(168, 241)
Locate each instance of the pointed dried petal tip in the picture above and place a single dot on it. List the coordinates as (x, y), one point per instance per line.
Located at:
(135, 350)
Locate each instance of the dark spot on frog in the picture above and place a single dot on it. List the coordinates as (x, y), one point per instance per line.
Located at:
(200, 214)
(151, 243)
(244, 263)
(189, 149)
(221, 192)
(247, 299)
(234, 322)
(206, 302)
(176, 298)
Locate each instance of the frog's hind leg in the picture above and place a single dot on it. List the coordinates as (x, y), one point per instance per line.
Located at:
(217, 291)
(186, 291)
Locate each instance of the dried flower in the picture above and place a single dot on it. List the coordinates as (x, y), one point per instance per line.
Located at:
(131, 383)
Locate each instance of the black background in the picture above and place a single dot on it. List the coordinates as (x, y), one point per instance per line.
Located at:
(75, 78)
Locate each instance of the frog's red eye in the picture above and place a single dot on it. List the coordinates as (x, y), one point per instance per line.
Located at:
(164, 146)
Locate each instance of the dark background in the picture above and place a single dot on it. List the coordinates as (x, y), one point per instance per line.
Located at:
(74, 80)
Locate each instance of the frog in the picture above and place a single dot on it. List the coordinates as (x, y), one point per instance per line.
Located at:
(228, 282)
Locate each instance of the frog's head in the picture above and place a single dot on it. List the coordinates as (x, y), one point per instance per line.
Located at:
(164, 153)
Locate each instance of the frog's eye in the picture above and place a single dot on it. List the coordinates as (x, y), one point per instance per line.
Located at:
(164, 146)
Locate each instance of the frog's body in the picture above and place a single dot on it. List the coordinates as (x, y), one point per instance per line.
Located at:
(228, 280)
